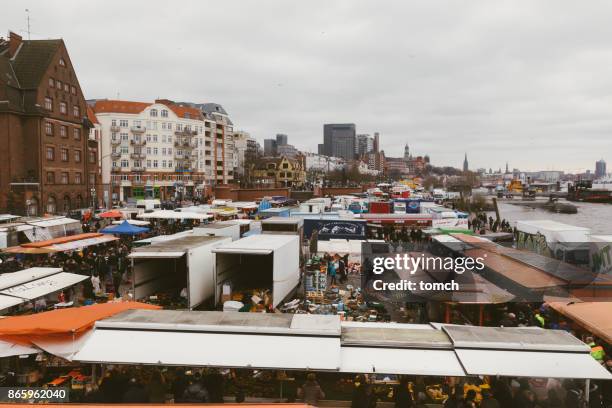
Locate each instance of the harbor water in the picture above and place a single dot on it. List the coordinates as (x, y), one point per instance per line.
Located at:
(597, 217)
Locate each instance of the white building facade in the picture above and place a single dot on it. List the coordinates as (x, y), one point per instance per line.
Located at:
(161, 150)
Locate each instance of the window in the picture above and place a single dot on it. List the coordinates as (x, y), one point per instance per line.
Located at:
(73, 90)
(154, 125)
(63, 108)
(76, 111)
(77, 178)
(153, 112)
(137, 123)
(155, 138)
(115, 164)
(169, 163)
(51, 206)
(148, 163)
(169, 126)
(123, 123)
(62, 62)
(285, 165)
(48, 103)
(65, 177)
(124, 150)
(76, 133)
(50, 153)
(51, 82)
(164, 113)
(163, 151)
(155, 163)
(92, 157)
(63, 131)
(50, 177)
(114, 122)
(66, 87)
(163, 164)
(124, 137)
(169, 150)
(64, 154)
(49, 128)
(77, 156)
(58, 85)
(164, 139)
(125, 163)
(179, 127)
(169, 139)
(66, 203)
(148, 150)
(114, 136)
(92, 178)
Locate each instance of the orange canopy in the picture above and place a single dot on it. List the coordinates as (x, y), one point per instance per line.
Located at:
(64, 321)
(596, 317)
(111, 214)
(61, 240)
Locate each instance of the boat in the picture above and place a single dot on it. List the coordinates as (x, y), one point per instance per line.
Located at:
(598, 191)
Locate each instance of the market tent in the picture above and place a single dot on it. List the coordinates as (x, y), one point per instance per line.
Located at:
(82, 243)
(61, 332)
(140, 223)
(264, 205)
(111, 214)
(175, 215)
(592, 316)
(61, 240)
(125, 228)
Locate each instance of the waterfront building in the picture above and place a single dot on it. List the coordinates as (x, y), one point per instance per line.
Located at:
(600, 169)
(162, 149)
(48, 164)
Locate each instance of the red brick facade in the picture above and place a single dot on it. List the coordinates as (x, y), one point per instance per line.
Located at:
(47, 162)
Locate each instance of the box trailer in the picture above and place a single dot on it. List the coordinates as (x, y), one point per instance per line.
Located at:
(218, 229)
(171, 266)
(379, 207)
(269, 262)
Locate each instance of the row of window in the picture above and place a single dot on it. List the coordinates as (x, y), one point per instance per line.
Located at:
(124, 137)
(57, 84)
(65, 155)
(64, 178)
(63, 107)
(63, 130)
(153, 125)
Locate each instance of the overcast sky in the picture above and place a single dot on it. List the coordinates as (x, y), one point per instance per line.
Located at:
(528, 82)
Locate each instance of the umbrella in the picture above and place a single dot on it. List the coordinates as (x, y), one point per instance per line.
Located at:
(111, 214)
(125, 228)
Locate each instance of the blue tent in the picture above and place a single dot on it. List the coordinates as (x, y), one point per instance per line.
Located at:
(125, 228)
(264, 205)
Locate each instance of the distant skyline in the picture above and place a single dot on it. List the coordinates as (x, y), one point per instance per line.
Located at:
(521, 82)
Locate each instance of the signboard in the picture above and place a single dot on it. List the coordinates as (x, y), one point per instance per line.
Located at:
(336, 229)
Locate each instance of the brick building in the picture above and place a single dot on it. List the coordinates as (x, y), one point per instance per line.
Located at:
(48, 162)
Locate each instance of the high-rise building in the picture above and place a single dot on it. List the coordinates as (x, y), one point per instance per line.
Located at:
(245, 151)
(339, 140)
(287, 150)
(48, 162)
(281, 139)
(365, 144)
(465, 163)
(600, 168)
(270, 147)
(376, 145)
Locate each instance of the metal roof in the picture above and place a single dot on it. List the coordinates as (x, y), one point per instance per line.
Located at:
(178, 244)
(268, 242)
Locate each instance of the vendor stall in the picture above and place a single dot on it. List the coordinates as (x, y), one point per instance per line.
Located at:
(176, 271)
(268, 264)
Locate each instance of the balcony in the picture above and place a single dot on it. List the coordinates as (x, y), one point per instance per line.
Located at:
(138, 169)
(115, 128)
(138, 129)
(186, 132)
(183, 169)
(115, 156)
(138, 156)
(115, 142)
(138, 142)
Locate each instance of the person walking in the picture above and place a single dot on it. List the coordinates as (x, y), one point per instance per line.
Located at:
(331, 269)
(403, 398)
(311, 392)
(359, 397)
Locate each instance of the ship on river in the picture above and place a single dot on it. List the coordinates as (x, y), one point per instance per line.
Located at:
(598, 191)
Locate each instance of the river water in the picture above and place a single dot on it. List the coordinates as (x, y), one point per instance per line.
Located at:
(597, 217)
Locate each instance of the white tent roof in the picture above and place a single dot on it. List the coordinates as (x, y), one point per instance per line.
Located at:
(264, 244)
(230, 339)
(8, 280)
(44, 286)
(175, 215)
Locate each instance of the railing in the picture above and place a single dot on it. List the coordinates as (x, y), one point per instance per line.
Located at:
(115, 141)
(115, 155)
(138, 129)
(115, 128)
(138, 142)
(138, 168)
(138, 156)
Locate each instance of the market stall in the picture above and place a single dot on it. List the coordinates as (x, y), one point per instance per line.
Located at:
(266, 264)
(176, 271)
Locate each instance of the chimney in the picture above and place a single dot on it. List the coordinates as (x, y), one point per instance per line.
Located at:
(15, 41)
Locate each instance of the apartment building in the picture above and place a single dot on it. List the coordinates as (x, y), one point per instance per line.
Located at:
(48, 164)
(161, 149)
